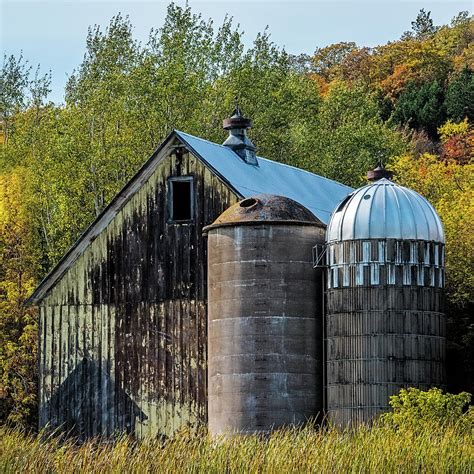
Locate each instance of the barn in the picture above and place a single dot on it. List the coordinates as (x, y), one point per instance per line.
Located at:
(123, 315)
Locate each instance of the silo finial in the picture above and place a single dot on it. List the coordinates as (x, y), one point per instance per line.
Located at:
(379, 172)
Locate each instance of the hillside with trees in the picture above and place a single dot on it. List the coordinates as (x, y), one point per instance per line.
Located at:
(408, 103)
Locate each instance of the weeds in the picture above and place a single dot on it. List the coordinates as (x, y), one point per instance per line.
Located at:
(379, 448)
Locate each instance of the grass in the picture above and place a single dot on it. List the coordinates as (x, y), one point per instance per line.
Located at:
(377, 449)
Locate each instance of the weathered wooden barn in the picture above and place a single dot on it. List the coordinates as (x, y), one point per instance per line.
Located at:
(123, 317)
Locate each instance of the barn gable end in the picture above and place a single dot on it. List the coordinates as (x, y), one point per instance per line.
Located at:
(123, 329)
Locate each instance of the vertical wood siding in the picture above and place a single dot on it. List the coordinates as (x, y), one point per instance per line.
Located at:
(123, 334)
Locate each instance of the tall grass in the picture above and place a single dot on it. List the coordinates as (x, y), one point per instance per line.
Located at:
(379, 449)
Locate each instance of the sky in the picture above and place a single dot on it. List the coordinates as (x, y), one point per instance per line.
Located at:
(52, 33)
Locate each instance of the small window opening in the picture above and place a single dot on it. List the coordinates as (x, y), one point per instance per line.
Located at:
(181, 199)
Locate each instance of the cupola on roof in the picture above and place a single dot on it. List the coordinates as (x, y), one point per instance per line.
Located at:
(238, 140)
(385, 210)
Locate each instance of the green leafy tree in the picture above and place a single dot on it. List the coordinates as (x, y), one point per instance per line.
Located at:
(459, 101)
(328, 61)
(421, 107)
(351, 136)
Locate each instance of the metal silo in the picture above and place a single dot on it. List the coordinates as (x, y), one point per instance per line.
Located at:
(264, 316)
(385, 325)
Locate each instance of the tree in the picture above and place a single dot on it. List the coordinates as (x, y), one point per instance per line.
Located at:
(14, 79)
(447, 184)
(423, 26)
(459, 101)
(414, 409)
(18, 90)
(421, 107)
(327, 61)
(351, 137)
(457, 141)
(18, 324)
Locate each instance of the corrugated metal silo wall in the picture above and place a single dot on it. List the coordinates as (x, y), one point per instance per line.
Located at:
(123, 334)
(385, 325)
(265, 327)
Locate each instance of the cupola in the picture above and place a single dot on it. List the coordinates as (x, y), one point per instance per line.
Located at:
(238, 140)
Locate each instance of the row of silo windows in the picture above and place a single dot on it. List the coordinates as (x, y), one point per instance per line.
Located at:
(396, 251)
(369, 274)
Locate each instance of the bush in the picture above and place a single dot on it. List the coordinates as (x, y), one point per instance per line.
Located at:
(414, 408)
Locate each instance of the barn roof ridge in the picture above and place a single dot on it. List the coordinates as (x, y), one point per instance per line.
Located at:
(229, 167)
(301, 170)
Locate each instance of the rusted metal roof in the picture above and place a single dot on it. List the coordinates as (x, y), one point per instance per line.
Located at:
(265, 208)
(320, 195)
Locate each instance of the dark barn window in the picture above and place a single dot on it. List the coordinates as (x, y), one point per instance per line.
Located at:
(181, 201)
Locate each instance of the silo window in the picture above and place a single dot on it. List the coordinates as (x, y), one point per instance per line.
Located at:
(374, 274)
(381, 251)
(181, 199)
(345, 275)
(406, 274)
(334, 277)
(359, 274)
(391, 274)
(420, 276)
(365, 251)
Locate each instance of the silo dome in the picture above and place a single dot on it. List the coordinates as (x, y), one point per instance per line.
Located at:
(264, 316)
(385, 210)
(385, 327)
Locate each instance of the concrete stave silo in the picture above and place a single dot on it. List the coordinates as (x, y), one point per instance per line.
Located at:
(264, 317)
(385, 327)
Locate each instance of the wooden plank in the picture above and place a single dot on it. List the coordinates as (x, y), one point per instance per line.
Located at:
(42, 418)
(64, 364)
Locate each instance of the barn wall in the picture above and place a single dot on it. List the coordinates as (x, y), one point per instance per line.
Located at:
(123, 332)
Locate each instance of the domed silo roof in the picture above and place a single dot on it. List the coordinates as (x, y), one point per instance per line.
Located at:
(385, 210)
(265, 208)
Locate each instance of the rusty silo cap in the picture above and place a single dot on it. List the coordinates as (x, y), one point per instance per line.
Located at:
(265, 209)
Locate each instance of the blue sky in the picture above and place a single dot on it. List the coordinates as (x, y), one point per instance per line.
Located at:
(52, 33)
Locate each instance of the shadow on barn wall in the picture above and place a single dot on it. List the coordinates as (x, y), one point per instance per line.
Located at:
(90, 386)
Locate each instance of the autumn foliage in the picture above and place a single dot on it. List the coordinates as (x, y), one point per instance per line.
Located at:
(409, 103)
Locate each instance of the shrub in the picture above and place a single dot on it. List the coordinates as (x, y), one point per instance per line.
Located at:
(414, 408)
